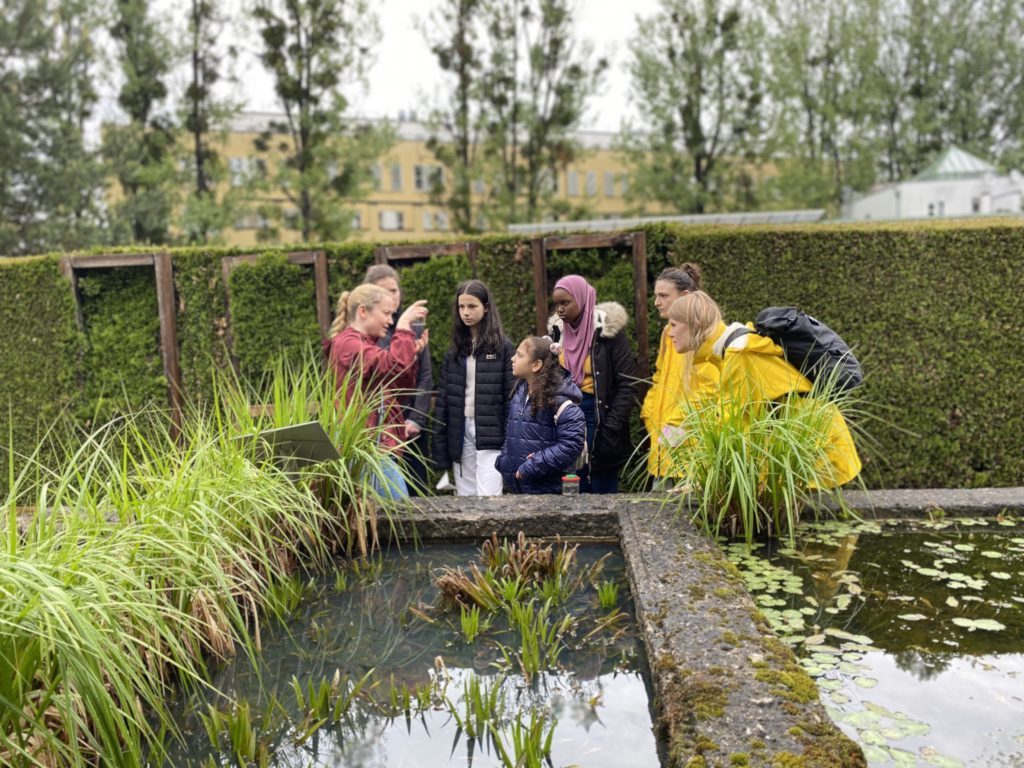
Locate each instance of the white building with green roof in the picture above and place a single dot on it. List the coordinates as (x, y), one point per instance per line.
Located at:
(956, 184)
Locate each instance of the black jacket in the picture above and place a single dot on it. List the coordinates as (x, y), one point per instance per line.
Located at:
(616, 385)
(494, 383)
(416, 406)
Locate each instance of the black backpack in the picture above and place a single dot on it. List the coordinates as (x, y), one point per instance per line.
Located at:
(808, 345)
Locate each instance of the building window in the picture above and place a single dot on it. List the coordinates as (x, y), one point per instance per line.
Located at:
(391, 221)
(548, 181)
(426, 178)
(251, 221)
(975, 205)
(377, 173)
(591, 184)
(624, 184)
(396, 177)
(441, 220)
(609, 184)
(357, 221)
(428, 221)
(931, 209)
(942, 207)
(478, 187)
(574, 184)
(242, 169)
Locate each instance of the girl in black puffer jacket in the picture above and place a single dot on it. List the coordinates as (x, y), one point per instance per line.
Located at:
(473, 393)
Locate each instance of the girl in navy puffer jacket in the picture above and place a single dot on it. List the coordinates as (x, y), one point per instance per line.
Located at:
(539, 448)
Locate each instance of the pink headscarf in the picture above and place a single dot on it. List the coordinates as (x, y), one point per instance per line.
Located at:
(576, 342)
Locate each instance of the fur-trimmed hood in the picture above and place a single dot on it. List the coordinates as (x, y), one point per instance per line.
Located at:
(610, 317)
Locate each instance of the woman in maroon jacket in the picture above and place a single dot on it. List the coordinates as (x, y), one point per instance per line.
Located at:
(363, 318)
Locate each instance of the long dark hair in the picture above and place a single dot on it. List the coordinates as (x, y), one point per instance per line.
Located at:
(546, 382)
(491, 335)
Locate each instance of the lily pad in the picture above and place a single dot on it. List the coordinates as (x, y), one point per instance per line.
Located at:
(913, 616)
(952, 602)
(1000, 575)
(990, 625)
(865, 682)
(994, 555)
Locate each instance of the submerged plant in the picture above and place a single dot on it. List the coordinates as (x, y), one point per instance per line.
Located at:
(471, 624)
(526, 744)
(608, 594)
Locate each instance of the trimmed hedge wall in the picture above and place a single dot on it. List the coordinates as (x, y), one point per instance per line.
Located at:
(933, 310)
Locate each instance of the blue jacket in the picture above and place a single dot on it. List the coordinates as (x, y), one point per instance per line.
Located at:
(554, 447)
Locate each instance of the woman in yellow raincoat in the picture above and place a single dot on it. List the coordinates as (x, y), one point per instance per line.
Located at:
(672, 387)
(753, 370)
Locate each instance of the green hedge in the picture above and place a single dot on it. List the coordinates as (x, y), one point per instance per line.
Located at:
(931, 308)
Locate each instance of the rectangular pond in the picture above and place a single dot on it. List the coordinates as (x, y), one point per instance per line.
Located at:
(374, 666)
(914, 632)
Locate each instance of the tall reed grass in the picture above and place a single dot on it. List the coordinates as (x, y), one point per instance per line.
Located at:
(754, 466)
(138, 557)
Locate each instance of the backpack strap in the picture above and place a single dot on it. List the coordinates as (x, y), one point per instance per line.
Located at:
(565, 404)
(735, 334)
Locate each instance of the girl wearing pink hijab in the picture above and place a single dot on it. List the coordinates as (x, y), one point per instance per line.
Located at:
(598, 356)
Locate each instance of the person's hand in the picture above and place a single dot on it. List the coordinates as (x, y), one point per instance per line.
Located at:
(412, 429)
(421, 342)
(415, 311)
(519, 475)
(556, 348)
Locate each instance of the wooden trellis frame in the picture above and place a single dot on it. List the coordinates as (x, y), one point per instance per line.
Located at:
(163, 268)
(410, 254)
(636, 241)
(316, 259)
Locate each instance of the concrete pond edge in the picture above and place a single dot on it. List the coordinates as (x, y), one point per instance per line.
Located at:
(726, 691)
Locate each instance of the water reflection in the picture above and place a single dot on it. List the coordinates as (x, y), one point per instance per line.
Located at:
(914, 632)
(382, 623)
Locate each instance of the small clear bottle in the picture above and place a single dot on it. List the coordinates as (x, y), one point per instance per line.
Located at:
(570, 485)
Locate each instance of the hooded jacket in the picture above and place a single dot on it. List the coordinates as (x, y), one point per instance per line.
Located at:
(555, 447)
(666, 400)
(494, 383)
(754, 368)
(616, 385)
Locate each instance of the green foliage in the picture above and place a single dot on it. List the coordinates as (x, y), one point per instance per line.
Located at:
(273, 313)
(435, 281)
(311, 48)
(931, 309)
(122, 366)
(51, 181)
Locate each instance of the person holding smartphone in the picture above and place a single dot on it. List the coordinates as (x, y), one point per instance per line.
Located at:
(416, 403)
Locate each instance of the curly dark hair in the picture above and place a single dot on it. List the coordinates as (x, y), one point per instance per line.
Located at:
(491, 336)
(545, 383)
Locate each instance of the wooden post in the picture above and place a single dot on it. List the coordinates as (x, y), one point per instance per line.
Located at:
(640, 301)
(166, 307)
(540, 284)
(323, 296)
(472, 253)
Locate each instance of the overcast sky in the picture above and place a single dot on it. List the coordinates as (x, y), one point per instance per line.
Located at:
(405, 75)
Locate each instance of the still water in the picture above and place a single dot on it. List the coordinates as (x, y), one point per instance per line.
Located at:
(381, 628)
(913, 631)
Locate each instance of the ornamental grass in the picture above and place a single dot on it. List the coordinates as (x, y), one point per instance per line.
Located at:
(139, 557)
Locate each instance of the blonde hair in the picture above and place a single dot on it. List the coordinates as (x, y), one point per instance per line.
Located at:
(698, 312)
(365, 295)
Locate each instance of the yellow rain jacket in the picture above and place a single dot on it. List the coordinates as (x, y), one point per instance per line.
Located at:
(753, 369)
(666, 399)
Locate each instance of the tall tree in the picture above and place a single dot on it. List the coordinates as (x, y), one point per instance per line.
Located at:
(312, 47)
(141, 152)
(455, 125)
(521, 80)
(206, 213)
(51, 180)
(695, 76)
(823, 78)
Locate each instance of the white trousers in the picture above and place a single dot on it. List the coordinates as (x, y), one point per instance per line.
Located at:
(475, 475)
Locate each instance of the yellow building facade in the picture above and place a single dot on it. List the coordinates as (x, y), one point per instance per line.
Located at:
(399, 207)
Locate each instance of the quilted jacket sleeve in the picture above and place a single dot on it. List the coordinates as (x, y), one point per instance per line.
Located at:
(571, 433)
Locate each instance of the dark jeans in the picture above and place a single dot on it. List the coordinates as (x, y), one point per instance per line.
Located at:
(601, 481)
(413, 465)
